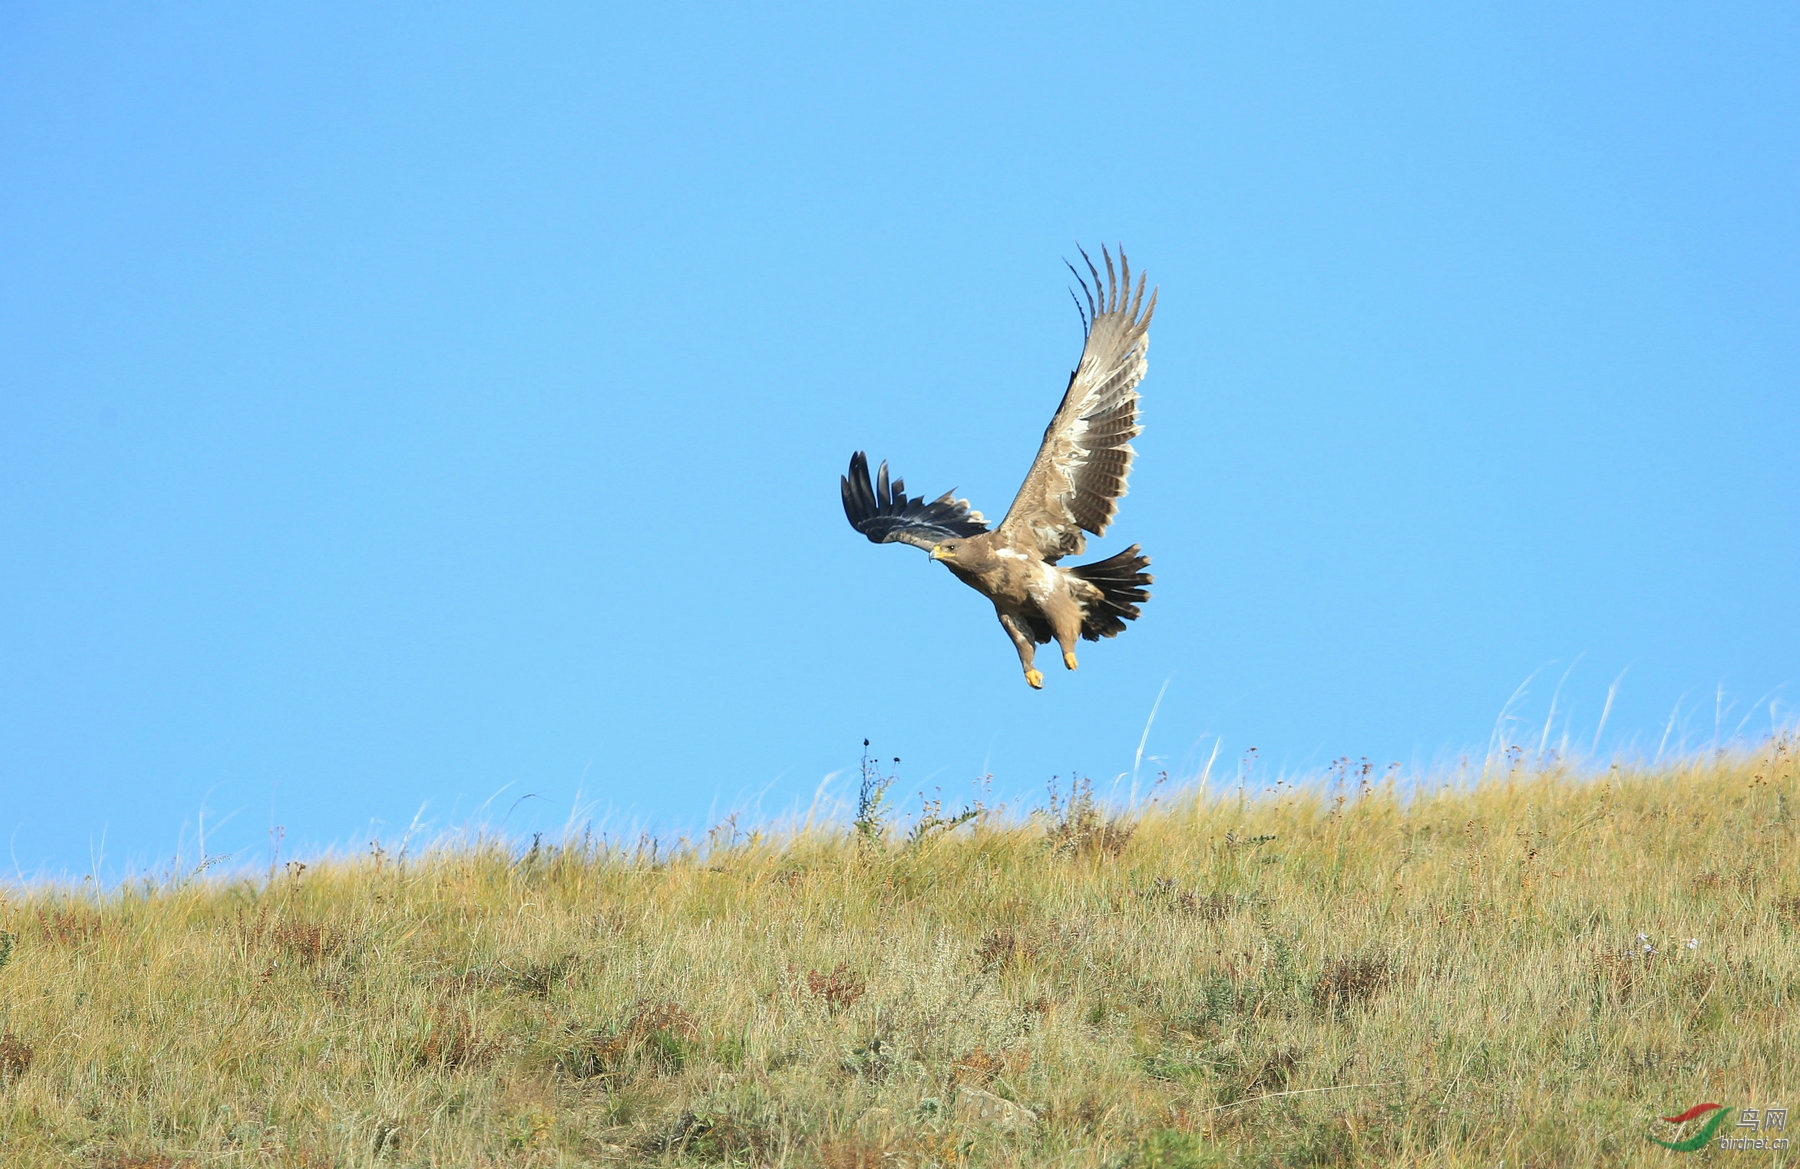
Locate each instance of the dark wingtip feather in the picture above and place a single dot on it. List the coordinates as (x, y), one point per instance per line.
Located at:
(855, 488)
(1085, 328)
(1093, 310)
(882, 511)
(1097, 285)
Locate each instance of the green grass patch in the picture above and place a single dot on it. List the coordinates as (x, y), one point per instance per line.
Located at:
(1529, 969)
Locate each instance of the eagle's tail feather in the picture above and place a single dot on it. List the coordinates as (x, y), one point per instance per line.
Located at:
(1122, 582)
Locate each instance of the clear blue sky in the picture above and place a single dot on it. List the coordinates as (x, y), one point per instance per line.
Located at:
(402, 402)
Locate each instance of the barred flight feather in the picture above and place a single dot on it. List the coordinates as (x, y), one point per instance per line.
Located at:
(1082, 465)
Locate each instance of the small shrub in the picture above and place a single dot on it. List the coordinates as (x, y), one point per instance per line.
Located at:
(1620, 971)
(1003, 947)
(872, 810)
(1324, 1142)
(658, 1036)
(1220, 999)
(851, 1152)
(837, 990)
(1270, 1074)
(712, 1137)
(307, 943)
(982, 1067)
(592, 1054)
(538, 979)
(1347, 982)
(871, 1062)
(934, 823)
(15, 1056)
(69, 925)
(451, 1040)
(1075, 825)
(386, 1139)
(1166, 895)
(531, 1129)
(1170, 1148)
(297, 942)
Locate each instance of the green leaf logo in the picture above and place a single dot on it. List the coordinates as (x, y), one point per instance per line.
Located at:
(1720, 1114)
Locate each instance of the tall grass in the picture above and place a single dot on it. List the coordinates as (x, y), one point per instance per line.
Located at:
(1529, 968)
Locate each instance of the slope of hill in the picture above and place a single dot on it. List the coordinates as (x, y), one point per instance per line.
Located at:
(1532, 968)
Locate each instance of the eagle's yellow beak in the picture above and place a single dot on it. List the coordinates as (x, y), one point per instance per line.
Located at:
(937, 551)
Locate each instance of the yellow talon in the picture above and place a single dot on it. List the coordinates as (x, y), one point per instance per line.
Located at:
(1035, 678)
(1069, 660)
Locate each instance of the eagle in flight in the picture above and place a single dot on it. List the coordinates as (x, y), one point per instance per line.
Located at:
(1074, 486)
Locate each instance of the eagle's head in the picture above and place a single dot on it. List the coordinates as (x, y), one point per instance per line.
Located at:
(967, 554)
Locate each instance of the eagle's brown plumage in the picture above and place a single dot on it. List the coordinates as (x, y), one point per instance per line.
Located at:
(1073, 487)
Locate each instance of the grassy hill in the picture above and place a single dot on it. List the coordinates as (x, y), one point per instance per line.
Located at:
(1530, 968)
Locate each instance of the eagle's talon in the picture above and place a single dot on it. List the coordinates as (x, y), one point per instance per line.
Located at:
(1069, 660)
(1036, 679)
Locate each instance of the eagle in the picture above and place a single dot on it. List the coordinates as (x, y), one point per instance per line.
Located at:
(1073, 487)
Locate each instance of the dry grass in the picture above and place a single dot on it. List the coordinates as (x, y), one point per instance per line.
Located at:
(1455, 978)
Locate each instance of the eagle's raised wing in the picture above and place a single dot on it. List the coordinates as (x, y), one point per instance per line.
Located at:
(884, 514)
(1080, 470)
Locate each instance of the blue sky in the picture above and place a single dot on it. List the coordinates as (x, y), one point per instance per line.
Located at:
(405, 404)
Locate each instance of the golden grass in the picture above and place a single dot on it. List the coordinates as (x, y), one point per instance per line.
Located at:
(1452, 978)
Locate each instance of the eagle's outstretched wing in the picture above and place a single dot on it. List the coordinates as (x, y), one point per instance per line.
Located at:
(884, 514)
(1080, 470)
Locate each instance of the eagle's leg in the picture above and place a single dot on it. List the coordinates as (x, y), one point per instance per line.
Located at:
(1064, 615)
(1027, 647)
(1065, 637)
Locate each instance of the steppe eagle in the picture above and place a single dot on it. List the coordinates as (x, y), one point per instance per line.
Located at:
(1074, 486)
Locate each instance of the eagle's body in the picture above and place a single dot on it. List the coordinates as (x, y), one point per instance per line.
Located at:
(1074, 486)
